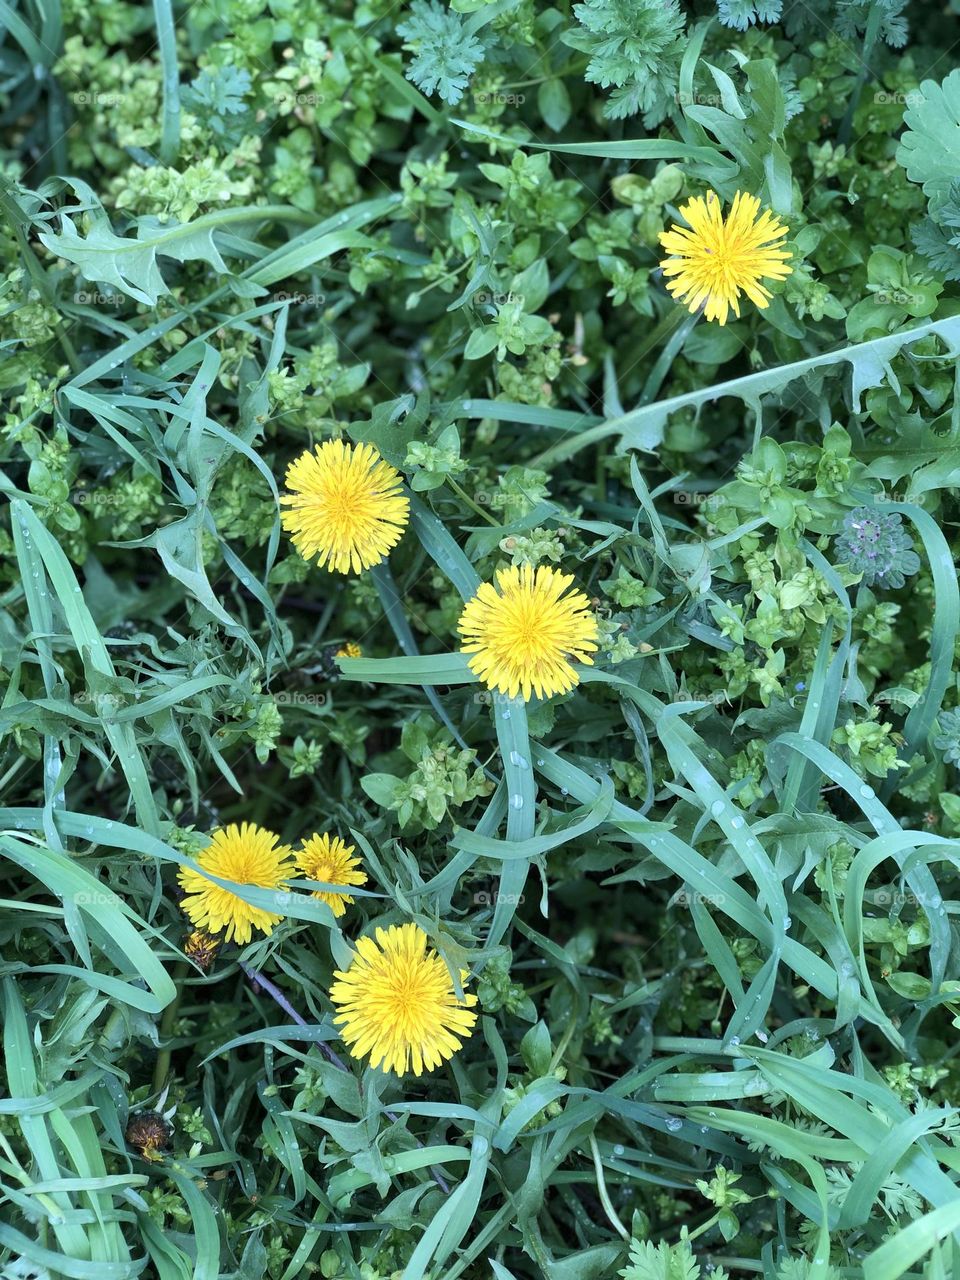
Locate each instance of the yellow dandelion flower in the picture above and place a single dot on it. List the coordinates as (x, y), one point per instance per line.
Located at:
(327, 858)
(349, 650)
(397, 1004)
(346, 507)
(712, 261)
(247, 854)
(523, 637)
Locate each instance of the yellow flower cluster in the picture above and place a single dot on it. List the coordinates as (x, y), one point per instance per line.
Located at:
(251, 855)
(396, 1000)
(347, 509)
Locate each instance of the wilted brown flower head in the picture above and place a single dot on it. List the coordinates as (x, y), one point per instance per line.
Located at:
(202, 947)
(149, 1133)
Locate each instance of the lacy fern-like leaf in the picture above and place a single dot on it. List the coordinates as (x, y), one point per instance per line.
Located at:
(742, 14)
(445, 56)
(799, 1267)
(801, 17)
(941, 250)
(217, 97)
(635, 48)
(661, 1261)
(847, 17)
(852, 15)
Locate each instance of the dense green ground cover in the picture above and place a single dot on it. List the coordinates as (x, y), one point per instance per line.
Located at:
(707, 900)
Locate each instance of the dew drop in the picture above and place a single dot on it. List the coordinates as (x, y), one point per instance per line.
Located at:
(867, 792)
(736, 823)
(787, 922)
(618, 1150)
(564, 791)
(516, 802)
(541, 762)
(673, 1123)
(520, 761)
(733, 1041)
(506, 714)
(716, 808)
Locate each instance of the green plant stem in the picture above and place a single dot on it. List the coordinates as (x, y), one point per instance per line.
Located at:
(12, 771)
(667, 325)
(870, 37)
(605, 1200)
(485, 515)
(562, 1046)
(600, 472)
(704, 1226)
(666, 358)
(162, 1069)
